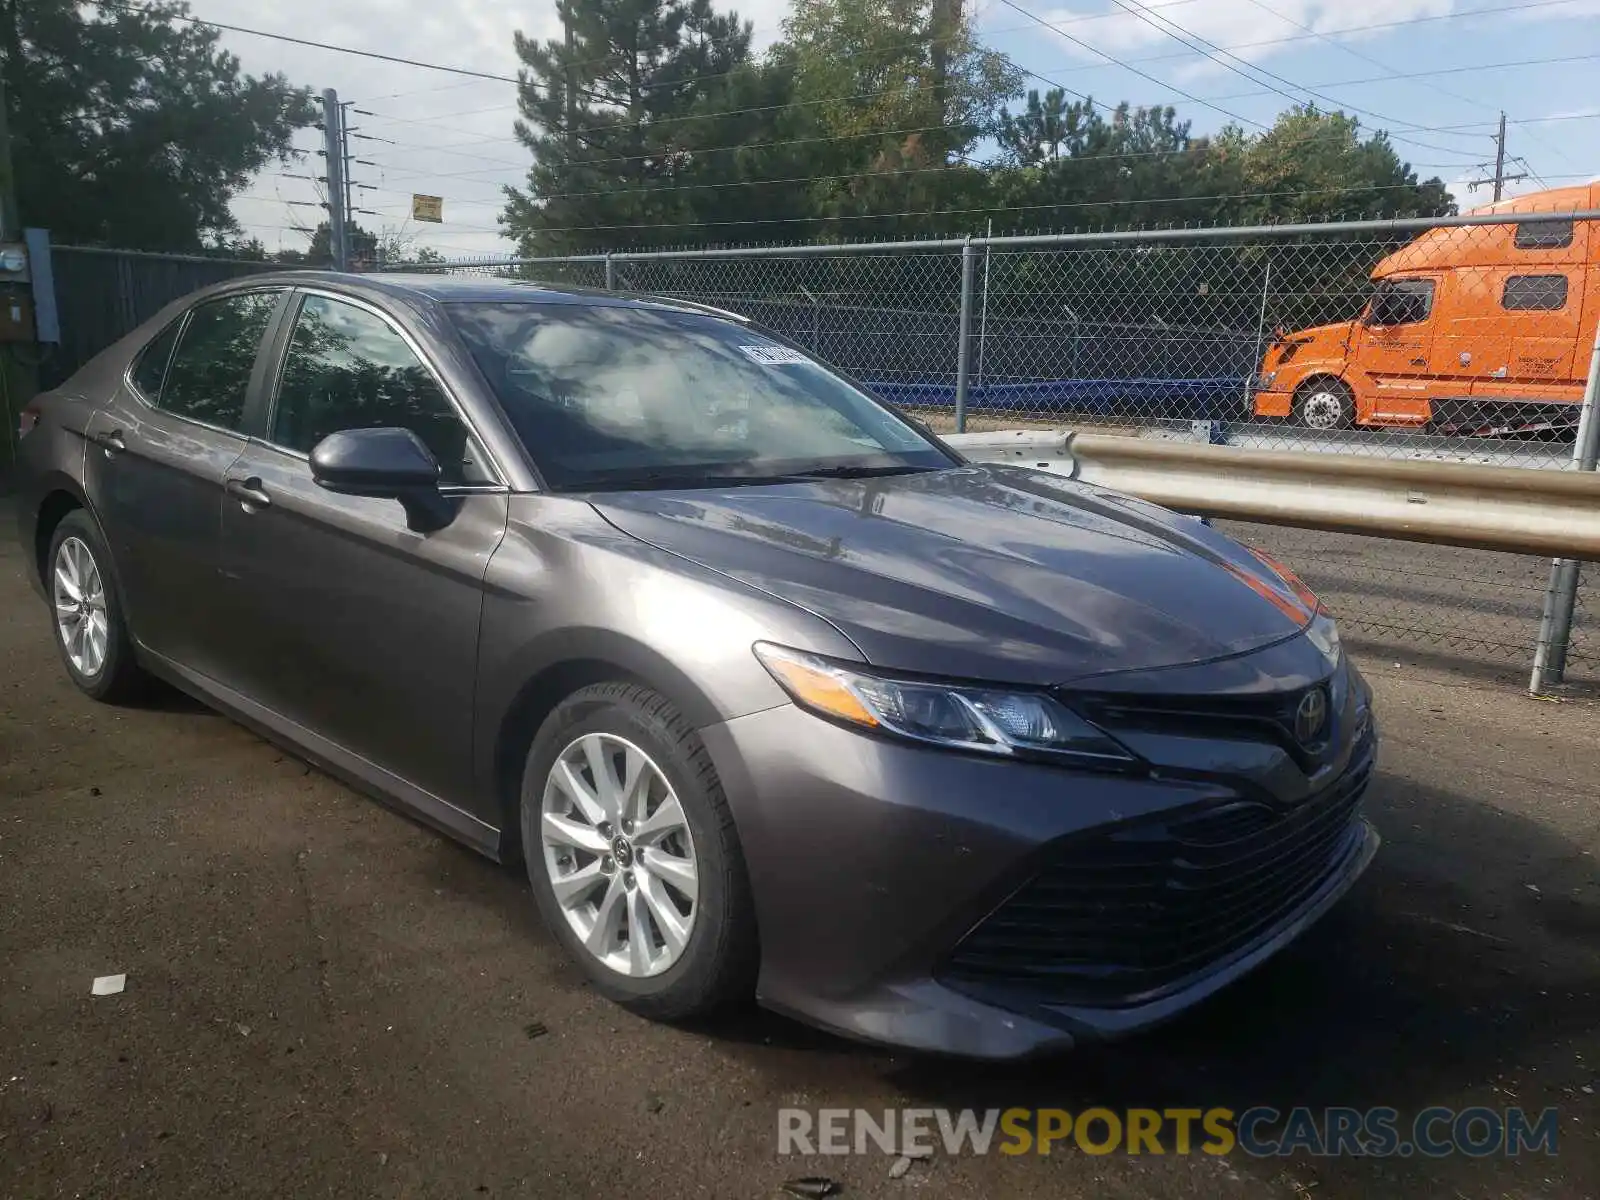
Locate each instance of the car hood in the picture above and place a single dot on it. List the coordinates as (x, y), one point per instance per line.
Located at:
(997, 572)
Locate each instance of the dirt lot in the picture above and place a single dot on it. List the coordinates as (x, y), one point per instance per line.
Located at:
(325, 999)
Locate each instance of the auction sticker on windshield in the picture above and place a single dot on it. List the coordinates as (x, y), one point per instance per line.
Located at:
(774, 355)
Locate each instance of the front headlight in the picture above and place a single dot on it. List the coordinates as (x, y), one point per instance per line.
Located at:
(990, 720)
(1324, 634)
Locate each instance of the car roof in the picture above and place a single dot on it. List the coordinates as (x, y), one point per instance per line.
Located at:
(484, 289)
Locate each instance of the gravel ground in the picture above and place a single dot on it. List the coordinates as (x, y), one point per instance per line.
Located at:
(325, 999)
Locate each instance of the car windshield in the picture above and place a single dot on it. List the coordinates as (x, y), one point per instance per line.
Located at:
(608, 396)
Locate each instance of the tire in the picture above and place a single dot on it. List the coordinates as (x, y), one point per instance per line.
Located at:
(1325, 404)
(716, 964)
(78, 561)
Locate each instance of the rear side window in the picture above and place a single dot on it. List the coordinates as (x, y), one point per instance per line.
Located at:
(1544, 235)
(209, 376)
(1535, 293)
(151, 368)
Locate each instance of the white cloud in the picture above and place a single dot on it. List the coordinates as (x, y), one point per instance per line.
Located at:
(1251, 30)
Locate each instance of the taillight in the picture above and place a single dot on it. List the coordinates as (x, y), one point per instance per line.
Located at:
(28, 420)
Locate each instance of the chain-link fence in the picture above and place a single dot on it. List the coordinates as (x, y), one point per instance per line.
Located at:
(103, 294)
(1460, 338)
(1468, 338)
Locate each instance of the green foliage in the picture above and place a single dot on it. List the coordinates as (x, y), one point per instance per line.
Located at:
(873, 118)
(607, 115)
(130, 128)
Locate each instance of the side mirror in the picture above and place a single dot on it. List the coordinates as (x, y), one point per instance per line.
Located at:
(386, 463)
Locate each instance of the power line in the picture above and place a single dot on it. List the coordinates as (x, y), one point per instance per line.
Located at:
(1393, 72)
(992, 208)
(1084, 160)
(115, 5)
(1245, 70)
(1429, 18)
(111, 4)
(1077, 41)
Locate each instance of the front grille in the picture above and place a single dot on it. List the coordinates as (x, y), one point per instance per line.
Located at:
(1268, 716)
(1121, 916)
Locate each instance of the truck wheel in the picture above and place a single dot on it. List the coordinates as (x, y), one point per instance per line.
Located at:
(1325, 404)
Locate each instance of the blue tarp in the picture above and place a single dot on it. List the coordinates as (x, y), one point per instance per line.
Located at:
(1214, 397)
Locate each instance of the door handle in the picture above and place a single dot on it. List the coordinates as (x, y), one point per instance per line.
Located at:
(248, 492)
(1419, 362)
(111, 443)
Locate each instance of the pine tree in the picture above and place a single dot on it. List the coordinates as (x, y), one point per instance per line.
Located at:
(610, 113)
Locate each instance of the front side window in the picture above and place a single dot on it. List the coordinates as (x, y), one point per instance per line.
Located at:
(208, 378)
(610, 396)
(1402, 302)
(1535, 293)
(347, 368)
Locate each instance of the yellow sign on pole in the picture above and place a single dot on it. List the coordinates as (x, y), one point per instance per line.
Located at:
(427, 208)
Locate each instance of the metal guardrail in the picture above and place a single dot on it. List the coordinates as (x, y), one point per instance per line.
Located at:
(1555, 513)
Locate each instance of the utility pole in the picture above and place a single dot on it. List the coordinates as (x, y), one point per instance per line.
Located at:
(1500, 159)
(333, 140)
(1499, 179)
(347, 159)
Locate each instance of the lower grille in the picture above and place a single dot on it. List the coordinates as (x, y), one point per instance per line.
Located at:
(1121, 916)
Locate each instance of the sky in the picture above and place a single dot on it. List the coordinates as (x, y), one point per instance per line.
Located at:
(1435, 73)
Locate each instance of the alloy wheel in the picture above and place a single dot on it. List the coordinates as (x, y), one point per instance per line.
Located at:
(619, 855)
(80, 602)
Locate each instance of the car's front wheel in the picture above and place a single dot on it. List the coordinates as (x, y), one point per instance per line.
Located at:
(633, 856)
(87, 617)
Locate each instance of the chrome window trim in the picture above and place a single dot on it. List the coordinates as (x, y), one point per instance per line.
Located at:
(183, 319)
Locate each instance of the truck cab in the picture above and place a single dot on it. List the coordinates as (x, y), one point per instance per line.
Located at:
(1477, 328)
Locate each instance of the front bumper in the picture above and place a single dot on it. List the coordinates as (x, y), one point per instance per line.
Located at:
(875, 865)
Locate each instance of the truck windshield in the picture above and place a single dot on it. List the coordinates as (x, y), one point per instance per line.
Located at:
(611, 396)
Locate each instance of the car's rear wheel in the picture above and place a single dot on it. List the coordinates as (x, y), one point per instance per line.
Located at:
(87, 618)
(1325, 404)
(633, 856)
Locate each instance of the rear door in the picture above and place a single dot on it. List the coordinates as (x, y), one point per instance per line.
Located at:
(157, 458)
(361, 630)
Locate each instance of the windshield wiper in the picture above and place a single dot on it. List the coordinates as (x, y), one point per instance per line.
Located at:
(858, 472)
(679, 478)
(666, 479)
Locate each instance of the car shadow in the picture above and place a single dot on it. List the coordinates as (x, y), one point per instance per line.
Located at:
(1443, 978)
(1440, 977)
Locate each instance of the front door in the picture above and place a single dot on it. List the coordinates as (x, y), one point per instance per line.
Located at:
(1395, 348)
(362, 630)
(157, 458)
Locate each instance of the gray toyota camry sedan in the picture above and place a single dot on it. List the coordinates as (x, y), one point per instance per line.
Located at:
(774, 694)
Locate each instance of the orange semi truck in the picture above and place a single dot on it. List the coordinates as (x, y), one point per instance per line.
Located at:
(1477, 327)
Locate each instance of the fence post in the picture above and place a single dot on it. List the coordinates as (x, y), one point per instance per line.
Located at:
(1561, 594)
(1261, 337)
(983, 315)
(964, 348)
(611, 274)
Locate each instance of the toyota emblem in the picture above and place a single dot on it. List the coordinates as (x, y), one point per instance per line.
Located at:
(1311, 717)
